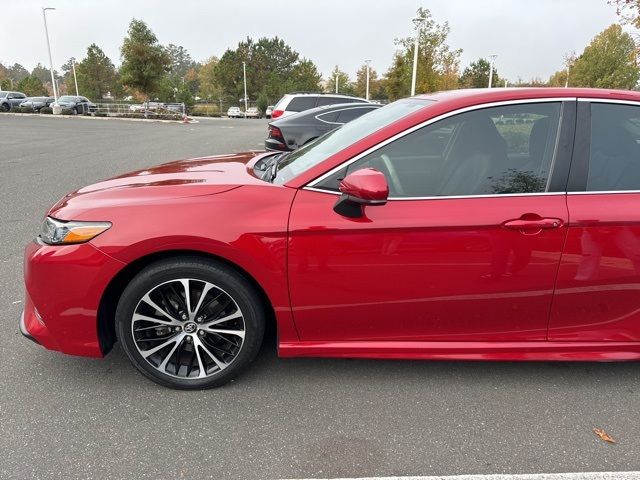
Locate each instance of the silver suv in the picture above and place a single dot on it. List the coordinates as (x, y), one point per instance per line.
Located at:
(11, 99)
(299, 102)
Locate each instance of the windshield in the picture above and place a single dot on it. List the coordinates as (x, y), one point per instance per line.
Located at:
(3, 94)
(331, 143)
(67, 98)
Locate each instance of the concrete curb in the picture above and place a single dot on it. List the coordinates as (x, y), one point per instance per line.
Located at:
(83, 117)
(535, 476)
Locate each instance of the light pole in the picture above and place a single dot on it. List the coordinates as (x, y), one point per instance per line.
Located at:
(566, 83)
(337, 74)
(415, 58)
(75, 79)
(244, 75)
(493, 59)
(368, 70)
(46, 33)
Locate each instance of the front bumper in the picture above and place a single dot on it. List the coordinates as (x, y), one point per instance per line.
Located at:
(23, 329)
(64, 286)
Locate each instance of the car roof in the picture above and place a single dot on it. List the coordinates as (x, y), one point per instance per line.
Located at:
(485, 95)
(312, 112)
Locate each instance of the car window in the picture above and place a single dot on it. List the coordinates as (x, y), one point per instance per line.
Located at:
(300, 104)
(329, 117)
(482, 152)
(324, 101)
(331, 143)
(349, 114)
(614, 157)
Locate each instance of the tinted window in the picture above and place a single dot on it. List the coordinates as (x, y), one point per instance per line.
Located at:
(495, 150)
(351, 114)
(330, 117)
(324, 101)
(300, 104)
(614, 159)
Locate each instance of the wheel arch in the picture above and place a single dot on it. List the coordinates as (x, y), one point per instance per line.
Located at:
(109, 301)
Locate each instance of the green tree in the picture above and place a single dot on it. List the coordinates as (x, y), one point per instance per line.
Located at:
(273, 68)
(438, 64)
(375, 84)
(208, 86)
(476, 75)
(609, 61)
(42, 72)
(144, 61)
(17, 72)
(262, 103)
(181, 61)
(96, 74)
(305, 76)
(345, 85)
(31, 86)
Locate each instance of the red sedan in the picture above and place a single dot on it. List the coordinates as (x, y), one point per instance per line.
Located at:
(487, 224)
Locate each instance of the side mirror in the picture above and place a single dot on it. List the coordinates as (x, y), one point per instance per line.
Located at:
(367, 186)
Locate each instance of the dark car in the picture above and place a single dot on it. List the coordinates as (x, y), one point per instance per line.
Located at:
(289, 133)
(36, 103)
(76, 103)
(9, 100)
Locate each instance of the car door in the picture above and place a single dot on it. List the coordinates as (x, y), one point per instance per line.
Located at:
(467, 247)
(598, 289)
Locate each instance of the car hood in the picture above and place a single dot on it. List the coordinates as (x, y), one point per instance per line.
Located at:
(167, 182)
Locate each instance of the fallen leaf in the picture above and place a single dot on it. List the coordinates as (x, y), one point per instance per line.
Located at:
(603, 435)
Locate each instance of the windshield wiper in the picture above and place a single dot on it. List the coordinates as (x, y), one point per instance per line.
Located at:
(276, 164)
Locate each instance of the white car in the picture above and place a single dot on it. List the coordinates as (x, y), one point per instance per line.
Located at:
(252, 112)
(269, 111)
(235, 112)
(299, 102)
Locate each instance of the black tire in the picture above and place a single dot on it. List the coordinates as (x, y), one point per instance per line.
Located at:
(5, 107)
(233, 283)
(75, 111)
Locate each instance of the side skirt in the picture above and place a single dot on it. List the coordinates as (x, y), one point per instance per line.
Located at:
(506, 351)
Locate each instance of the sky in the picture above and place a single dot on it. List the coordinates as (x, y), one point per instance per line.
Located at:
(530, 37)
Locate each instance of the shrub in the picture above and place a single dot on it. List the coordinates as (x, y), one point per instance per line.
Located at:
(67, 111)
(46, 110)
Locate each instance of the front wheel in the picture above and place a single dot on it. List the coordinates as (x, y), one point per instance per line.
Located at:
(190, 323)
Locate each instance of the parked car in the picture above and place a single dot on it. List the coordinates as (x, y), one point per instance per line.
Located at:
(235, 112)
(421, 230)
(299, 102)
(268, 111)
(9, 100)
(252, 112)
(289, 133)
(77, 104)
(36, 103)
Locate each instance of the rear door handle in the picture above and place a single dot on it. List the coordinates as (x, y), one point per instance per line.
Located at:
(533, 225)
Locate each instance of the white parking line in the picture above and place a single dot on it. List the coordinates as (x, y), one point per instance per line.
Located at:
(535, 476)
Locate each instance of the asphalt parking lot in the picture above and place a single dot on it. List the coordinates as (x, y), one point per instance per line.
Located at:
(66, 417)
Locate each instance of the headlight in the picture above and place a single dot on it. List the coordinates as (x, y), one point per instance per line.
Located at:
(57, 232)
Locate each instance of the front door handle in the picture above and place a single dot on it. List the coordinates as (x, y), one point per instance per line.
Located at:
(530, 225)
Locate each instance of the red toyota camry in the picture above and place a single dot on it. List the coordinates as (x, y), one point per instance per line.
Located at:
(489, 224)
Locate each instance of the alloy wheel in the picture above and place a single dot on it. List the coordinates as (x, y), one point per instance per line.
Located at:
(188, 328)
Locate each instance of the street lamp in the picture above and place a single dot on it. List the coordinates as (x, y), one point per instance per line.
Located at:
(244, 75)
(46, 33)
(368, 70)
(493, 59)
(415, 57)
(75, 79)
(337, 74)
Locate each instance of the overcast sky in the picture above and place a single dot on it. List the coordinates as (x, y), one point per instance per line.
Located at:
(529, 37)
